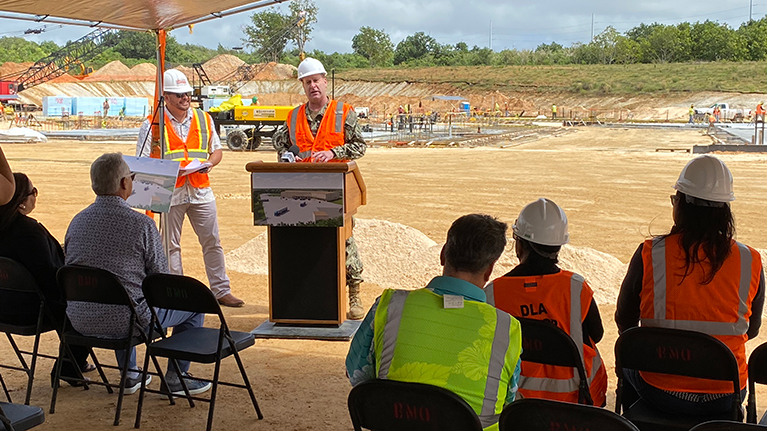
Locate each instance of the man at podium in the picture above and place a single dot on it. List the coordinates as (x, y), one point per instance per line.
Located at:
(320, 131)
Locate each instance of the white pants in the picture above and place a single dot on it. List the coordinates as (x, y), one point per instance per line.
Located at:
(205, 224)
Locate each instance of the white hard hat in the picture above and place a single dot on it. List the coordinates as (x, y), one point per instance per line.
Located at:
(310, 66)
(174, 81)
(707, 178)
(542, 222)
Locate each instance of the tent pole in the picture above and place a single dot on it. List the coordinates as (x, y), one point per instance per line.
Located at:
(158, 132)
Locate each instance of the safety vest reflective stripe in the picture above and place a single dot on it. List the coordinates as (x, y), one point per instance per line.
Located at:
(560, 385)
(292, 124)
(202, 124)
(498, 351)
(339, 117)
(739, 327)
(391, 329)
(192, 154)
(497, 358)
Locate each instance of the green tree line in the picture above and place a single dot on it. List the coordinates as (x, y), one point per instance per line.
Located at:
(277, 36)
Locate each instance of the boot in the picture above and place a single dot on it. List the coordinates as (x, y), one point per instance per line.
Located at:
(356, 312)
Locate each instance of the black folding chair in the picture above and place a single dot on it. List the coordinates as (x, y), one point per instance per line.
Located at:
(388, 405)
(676, 352)
(757, 373)
(726, 426)
(545, 415)
(18, 417)
(97, 286)
(15, 278)
(201, 345)
(545, 343)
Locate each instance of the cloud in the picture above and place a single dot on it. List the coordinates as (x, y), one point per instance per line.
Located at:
(515, 24)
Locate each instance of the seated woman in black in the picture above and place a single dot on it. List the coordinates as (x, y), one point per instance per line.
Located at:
(27, 242)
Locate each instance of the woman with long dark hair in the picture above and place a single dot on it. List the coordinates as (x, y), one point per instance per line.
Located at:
(29, 243)
(696, 277)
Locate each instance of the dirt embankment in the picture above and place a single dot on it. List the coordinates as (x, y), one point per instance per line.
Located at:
(275, 84)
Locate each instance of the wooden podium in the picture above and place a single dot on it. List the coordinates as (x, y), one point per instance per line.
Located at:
(307, 265)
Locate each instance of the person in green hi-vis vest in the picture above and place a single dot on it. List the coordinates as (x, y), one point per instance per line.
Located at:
(446, 334)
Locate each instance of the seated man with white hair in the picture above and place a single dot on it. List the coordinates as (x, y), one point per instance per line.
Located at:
(110, 235)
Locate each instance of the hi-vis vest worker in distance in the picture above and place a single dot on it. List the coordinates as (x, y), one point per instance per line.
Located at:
(445, 334)
(538, 289)
(697, 278)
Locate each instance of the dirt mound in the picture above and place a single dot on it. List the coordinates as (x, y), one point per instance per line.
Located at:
(65, 78)
(401, 257)
(274, 71)
(221, 66)
(113, 68)
(144, 69)
(10, 68)
(187, 71)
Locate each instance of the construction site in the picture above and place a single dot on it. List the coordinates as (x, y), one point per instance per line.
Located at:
(435, 153)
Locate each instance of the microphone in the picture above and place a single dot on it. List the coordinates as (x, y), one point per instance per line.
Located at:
(290, 155)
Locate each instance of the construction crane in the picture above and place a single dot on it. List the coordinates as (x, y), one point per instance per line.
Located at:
(70, 57)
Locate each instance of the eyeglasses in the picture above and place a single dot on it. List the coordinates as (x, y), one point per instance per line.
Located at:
(131, 175)
(33, 192)
(181, 95)
(674, 199)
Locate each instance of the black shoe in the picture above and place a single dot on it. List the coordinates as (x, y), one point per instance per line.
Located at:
(132, 385)
(73, 383)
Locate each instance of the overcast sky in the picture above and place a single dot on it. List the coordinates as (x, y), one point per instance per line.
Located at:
(515, 24)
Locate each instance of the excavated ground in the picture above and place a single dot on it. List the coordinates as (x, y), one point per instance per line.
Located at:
(612, 183)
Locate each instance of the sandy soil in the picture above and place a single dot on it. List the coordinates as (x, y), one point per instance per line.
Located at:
(613, 184)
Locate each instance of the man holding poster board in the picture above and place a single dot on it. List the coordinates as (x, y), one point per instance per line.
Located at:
(192, 140)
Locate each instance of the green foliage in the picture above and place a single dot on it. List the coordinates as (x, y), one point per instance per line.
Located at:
(272, 30)
(415, 47)
(375, 45)
(20, 50)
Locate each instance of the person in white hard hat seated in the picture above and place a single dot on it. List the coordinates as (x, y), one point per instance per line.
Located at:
(324, 130)
(191, 137)
(538, 289)
(698, 278)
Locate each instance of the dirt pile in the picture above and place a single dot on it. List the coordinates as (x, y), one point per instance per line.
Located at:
(117, 71)
(401, 257)
(221, 66)
(9, 68)
(145, 69)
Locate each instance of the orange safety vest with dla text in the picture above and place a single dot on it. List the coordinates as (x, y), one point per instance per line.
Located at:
(194, 147)
(563, 299)
(721, 308)
(330, 134)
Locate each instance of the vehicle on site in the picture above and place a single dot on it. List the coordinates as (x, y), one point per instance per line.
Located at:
(281, 211)
(252, 123)
(727, 113)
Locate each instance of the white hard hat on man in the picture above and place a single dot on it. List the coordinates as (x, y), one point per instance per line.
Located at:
(542, 222)
(310, 66)
(708, 178)
(174, 81)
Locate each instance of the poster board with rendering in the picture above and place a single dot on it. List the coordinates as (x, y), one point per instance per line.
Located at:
(153, 184)
(309, 199)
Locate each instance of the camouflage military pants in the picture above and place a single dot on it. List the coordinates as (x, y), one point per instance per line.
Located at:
(353, 263)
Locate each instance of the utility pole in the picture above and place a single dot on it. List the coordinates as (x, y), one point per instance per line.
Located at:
(592, 27)
(750, 9)
(490, 39)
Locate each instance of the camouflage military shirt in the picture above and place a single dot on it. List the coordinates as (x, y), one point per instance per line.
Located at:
(354, 145)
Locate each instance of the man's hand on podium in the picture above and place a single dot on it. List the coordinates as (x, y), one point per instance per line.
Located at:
(322, 156)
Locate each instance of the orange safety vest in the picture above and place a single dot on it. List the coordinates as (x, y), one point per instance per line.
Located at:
(195, 147)
(721, 308)
(329, 135)
(564, 299)
(760, 110)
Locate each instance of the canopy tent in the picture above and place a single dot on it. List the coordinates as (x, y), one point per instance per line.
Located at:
(127, 14)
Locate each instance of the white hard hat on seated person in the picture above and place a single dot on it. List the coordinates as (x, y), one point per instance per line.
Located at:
(174, 81)
(708, 178)
(542, 222)
(310, 66)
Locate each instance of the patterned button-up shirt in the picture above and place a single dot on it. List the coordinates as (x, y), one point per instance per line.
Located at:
(110, 235)
(186, 194)
(354, 144)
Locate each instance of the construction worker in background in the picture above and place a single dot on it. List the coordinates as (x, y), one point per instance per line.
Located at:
(760, 112)
(711, 123)
(105, 107)
(445, 334)
(553, 111)
(538, 289)
(691, 112)
(190, 135)
(717, 113)
(698, 278)
(314, 132)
